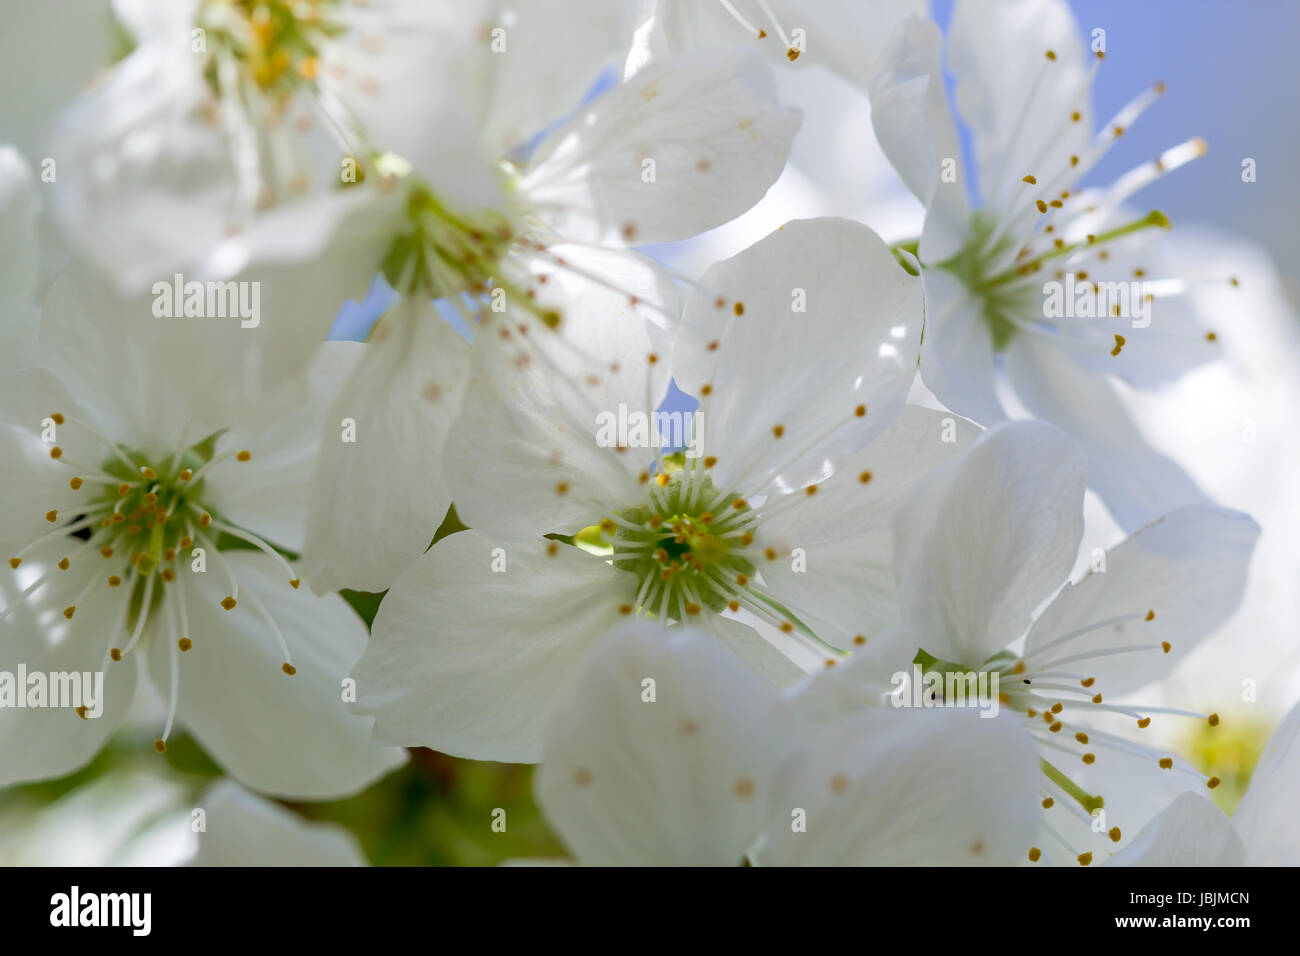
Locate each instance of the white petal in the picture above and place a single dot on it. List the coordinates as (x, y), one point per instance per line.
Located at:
(868, 789)
(267, 495)
(680, 779)
(532, 86)
(849, 36)
(709, 123)
(1136, 482)
(1016, 101)
(31, 485)
(379, 495)
(291, 736)
(545, 403)
(1188, 567)
(988, 538)
(845, 585)
(957, 361)
(1191, 832)
(1266, 817)
(41, 743)
(135, 130)
(19, 313)
(853, 346)
(417, 76)
(467, 660)
(910, 113)
(243, 829)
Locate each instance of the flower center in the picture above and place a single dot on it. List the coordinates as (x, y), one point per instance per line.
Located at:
(443, 252)
(685, 556)
(274, 43)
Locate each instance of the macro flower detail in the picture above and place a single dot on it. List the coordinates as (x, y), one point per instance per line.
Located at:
(137, 536)
(1064, 287)
(1017, 496)
(636, 532)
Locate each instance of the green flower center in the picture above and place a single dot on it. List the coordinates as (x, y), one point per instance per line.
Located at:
(686, 547)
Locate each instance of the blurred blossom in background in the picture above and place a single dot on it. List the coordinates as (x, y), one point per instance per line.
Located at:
(1230, 74)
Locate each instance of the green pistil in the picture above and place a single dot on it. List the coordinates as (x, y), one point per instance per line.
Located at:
(1077, 793)
(154, 513)
(678, 550)
(446, 253)
(1153, 219)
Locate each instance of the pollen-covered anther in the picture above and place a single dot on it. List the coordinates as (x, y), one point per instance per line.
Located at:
(75, 484)
(115, 654)
(859, 639)
(160, 745)
(83, 712)
(1084, 859)
(1166, 646)
(778, 430)
(1119, 344)
(1089, 758)
(205, 519)
(738, 308)
(147, 472)
(288, 668)
(14, 562)
(1035, 854)
(1213, 782)
(185, 474)
(810, 490)
(1055, 726)
(56, 452)
(1096, 699)
(864, 477)
(52, 516)
(69, 611)
(228, 603)
(786, 627)
(1166, 763)
(1143, 723)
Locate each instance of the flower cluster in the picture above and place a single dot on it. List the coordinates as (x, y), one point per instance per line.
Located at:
(779, 562)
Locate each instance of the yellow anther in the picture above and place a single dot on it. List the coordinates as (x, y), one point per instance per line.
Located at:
(228, 603)
(288, 669)
(160, 745)
(184, 643)
(1035, 854)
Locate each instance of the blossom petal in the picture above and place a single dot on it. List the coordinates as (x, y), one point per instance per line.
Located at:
(706, 124)
(987, 538)
(468, 661)
(1136, 482)
(866, 789)
(1186, 571)
(243, 829)
(957, 360)
(1191, 832)
(913, 122)
(1266, 818)
(290, 736)
(680, 778)
(38, 743)
(844, 587)
(807, 343)
(378, 495)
